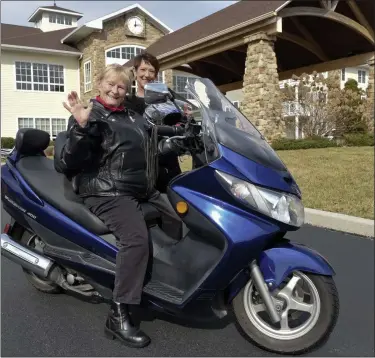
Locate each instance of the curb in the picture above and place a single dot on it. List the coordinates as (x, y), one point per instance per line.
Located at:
(340, 222)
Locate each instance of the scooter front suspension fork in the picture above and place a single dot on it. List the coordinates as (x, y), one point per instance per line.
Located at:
(262, 288)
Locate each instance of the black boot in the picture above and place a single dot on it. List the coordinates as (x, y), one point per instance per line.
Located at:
(119, 325)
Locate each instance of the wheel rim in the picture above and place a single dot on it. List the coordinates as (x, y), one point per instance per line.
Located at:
(290, 302)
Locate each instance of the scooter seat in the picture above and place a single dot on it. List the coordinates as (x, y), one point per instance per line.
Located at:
(56, 190)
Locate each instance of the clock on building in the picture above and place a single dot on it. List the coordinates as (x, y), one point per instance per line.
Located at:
(135, 25)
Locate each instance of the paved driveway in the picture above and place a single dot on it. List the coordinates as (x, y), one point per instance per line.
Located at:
(36, 324)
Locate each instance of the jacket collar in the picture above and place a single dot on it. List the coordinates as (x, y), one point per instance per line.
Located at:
(107, 106)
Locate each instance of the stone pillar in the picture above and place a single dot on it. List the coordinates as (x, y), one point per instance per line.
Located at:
(262, 101)
(168, 78)
(370, 92)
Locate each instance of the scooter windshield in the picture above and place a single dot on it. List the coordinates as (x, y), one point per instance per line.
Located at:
(223, 123)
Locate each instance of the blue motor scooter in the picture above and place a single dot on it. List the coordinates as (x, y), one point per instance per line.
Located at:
(237, 204)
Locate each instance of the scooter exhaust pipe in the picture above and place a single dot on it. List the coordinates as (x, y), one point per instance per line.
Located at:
(23, 256)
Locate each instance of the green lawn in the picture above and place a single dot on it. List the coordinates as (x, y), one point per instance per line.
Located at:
(333, 179)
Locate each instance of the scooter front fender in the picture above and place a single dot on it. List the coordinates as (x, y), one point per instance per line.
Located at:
(279, 261)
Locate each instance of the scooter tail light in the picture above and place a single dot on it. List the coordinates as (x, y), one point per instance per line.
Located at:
(7, 228)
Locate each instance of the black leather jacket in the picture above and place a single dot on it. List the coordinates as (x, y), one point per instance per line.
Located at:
(114, 154)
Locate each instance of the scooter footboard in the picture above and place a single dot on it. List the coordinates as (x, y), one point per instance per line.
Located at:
(278, 262)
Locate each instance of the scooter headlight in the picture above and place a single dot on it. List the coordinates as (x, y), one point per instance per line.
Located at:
(281, 206)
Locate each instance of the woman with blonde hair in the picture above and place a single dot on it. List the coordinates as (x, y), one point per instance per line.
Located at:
(112, 152)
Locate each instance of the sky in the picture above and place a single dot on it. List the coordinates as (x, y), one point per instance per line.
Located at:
(175, 14)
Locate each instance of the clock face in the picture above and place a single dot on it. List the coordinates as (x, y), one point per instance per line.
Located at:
(135, 25)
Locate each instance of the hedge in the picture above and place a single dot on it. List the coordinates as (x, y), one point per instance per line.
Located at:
(308, 143)
(359, 140)
(348, 140)
(49, 151)
(7, 142)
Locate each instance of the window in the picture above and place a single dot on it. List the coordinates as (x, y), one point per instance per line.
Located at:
(39, 77)
(25, 123)
(60, 19)
(58, 125)
(87, 76)
(43, 124)
(160, 77)
(56, 75)
(122, 54)
(23, 76)
(361, 76)
(343, 74)
(53, 126)
(179, 83)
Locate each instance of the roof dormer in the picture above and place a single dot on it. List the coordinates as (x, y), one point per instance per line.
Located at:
(52, 18)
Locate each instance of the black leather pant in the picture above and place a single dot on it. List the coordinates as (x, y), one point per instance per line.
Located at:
(124, 218)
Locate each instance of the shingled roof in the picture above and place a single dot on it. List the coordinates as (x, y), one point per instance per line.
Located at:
(224, 19)
(32, 37)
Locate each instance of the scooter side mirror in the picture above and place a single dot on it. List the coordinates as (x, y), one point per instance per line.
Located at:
(156, 93)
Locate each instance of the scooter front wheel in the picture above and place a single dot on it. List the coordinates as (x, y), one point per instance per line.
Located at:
(308, 306)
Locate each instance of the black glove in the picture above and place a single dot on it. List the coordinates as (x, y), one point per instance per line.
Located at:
(168, 147)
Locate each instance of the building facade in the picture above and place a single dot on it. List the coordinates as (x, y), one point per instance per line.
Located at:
(57, 56)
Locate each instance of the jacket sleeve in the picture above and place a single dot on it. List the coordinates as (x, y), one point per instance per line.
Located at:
(71, 122)
(80, 144)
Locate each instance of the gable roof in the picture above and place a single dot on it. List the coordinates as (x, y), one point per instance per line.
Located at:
(26, 38)
(97, 24)
(213, 25)
(36, 14)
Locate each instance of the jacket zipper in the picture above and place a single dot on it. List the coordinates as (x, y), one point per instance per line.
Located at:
(144, 149)
(122, 164)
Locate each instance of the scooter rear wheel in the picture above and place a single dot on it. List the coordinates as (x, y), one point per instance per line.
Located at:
(36, 281)
(309, 308)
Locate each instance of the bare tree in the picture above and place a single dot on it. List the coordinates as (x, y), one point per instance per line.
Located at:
(323, 107)
(309, 95)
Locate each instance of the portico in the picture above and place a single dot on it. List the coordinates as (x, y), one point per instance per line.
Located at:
(252, 45)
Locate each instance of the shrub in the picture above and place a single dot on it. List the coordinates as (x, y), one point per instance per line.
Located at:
(307, 143)
(359, 139)
(7, 142)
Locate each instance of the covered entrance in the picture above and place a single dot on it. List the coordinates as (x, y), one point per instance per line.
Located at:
(252, 45)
